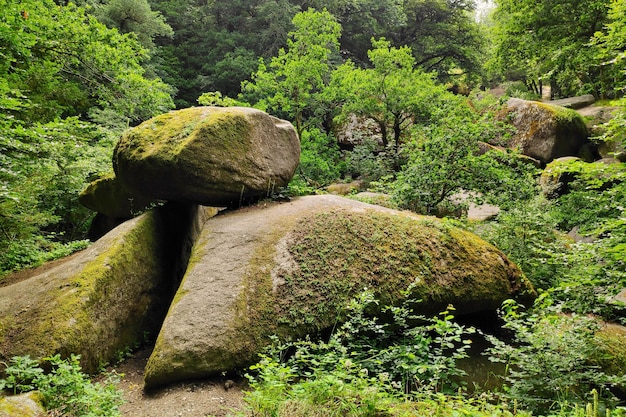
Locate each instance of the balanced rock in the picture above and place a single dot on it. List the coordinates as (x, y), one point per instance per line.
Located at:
(103, 299)
(290, 269)
(545, 132)
(213, 156)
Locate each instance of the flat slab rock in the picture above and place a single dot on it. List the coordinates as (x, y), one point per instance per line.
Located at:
(289, 269)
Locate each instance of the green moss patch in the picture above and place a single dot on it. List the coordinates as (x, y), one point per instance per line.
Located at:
(340, 253)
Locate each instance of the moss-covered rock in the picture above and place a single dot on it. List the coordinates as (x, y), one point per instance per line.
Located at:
(545, 132)
(556, 177)
(102, 300)
(289, 269)
(213, 156)
(23, 405)
(108, 196)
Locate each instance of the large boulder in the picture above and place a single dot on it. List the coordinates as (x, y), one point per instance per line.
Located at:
(213, 156)
(545, 132)
(290, 269)
(102, 300)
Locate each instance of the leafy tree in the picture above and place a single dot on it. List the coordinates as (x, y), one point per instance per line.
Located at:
(445, 161)
(549, 41)
(290, 86)
(393, 93)
(137, 17)
(60, 65)
(361, 20)
(67, 63)
(443, 36)
(217, 44)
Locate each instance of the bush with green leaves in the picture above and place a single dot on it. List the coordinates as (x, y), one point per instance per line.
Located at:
(550, 359)
(367, 366)
(529, 237)
(320, 158)
(65, 390)
(445, 161)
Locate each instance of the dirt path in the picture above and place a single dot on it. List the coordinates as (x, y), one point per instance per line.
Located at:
(205, 398)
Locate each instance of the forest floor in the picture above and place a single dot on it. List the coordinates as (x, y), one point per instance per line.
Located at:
(216, 397)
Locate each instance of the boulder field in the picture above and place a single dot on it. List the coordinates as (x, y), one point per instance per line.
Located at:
(217, 287)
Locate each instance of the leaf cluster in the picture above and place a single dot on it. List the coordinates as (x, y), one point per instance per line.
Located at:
(65, 390)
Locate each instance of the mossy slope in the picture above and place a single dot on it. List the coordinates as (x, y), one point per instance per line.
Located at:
(289, 269)
(106, 298)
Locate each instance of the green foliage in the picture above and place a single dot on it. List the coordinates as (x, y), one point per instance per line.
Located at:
(21, 374)
(66, 390)
(66, 63)
(443, 36)
(550, 360)
(135, 16)
(544, 42)
(527, 234)
(393, 93)
(369, 163)
(215, 98)
(445, 161)
(45, 168)
(367, 367)
(320, 158)
(290, 85)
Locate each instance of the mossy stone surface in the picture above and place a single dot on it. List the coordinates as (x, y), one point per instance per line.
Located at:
(544, 131)
(289, 269)
(104, 299)
(109, 197)
(23, 405)
(213, 156)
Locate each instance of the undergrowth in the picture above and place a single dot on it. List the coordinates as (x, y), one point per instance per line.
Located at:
(406, 365)
(65, 389)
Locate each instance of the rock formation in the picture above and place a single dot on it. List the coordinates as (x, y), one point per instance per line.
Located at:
(545, 132)
(102, 300)
(213, 156)
(289, 269)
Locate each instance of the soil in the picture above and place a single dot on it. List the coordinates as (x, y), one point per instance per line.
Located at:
(216, 397)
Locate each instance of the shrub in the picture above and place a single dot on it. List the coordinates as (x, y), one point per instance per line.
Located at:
(65, 389)
(367, 366)
(550, 360)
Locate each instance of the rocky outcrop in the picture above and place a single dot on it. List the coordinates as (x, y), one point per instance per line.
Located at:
(213, 156)
(102, 300)
(289, 269)
(545, 132)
